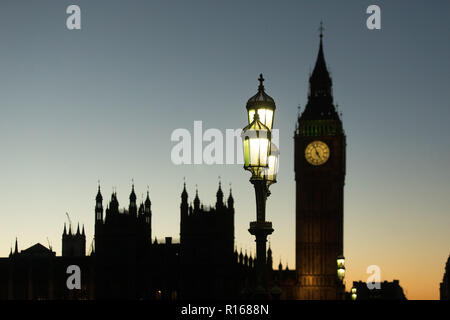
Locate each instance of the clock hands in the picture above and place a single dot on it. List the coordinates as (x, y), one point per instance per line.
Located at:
(317, 153)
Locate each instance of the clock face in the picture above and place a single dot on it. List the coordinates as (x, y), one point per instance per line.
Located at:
(317, 153)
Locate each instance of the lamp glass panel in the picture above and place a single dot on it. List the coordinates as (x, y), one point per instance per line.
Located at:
(251, 115)
(258, 151)
(341, 273)
(246, 152)
(265, 116)
(270, 173)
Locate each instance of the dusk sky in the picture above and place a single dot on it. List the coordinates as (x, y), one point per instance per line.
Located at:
(101, 103)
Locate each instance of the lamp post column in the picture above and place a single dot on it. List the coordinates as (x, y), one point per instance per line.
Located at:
(261, 229)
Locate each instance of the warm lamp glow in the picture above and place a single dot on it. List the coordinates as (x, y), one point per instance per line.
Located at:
(265, 116)
(341, 274)
(270, 173)
(256, 146)
(341, 267)
(341, 262)
(354, 295)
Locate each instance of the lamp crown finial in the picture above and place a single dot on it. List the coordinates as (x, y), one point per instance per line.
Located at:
(261, 80)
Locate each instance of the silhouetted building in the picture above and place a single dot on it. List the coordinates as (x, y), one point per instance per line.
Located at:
(123, 250)
(444, 288)
(207, 246)
(286, 280)
(320, 145)
(388, 291)
(125, 264)
(73, 245)
(38, 274)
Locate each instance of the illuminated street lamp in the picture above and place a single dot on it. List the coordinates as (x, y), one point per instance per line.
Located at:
(257, 143)
(263, 104)
(341, 268)
(261, 159)
(354, 295)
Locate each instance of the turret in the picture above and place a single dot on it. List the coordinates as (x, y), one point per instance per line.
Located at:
(132, 208)
(230, 201)
(98, 206)
(269, 259)
(184, 195)
(196, 202)
(147, 208)
(184, 210)
(219, 197)
(74, 245)
(114, 203)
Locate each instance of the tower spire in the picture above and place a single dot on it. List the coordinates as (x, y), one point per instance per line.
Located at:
(98, 205)
(320, 71)
(230, 199)
(148, 203)
(132, 206)
(147, 200)
(321, 28)
(219, 196)
(196, 199)
(184, 194)
(99, 197)
(320, 97)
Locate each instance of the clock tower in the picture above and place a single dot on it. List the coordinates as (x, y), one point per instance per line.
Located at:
(320, 145)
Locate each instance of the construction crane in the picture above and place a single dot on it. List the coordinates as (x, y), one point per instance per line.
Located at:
(91, 247)
(49, 244)
(70, 221)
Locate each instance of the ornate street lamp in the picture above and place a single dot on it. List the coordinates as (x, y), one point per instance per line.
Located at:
(261, 159)
(341, 268)
(263, 104)
(354, 294)
(340, 277)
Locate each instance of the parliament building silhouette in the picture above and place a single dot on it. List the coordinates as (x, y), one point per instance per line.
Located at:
(126, 264)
